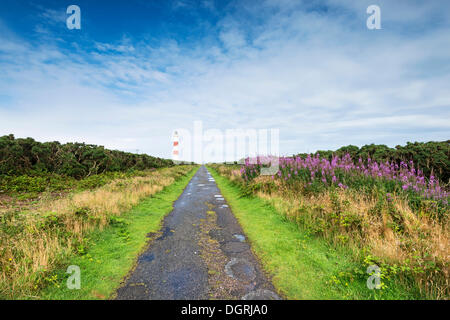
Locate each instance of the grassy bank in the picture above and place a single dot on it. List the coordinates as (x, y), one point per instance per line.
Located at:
(111, 253)
(388, 215)
(25, 189)
(303, 266)
(37, 244)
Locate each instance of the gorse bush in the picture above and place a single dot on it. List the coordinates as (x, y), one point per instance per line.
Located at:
(78, 160)
(31, 185)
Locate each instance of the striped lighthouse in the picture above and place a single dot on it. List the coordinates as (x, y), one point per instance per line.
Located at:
(175, 151)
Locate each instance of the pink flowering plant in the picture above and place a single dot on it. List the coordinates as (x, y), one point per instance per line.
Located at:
(389, 213)
(317, 173)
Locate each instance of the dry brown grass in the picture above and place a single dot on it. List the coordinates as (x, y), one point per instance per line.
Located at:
(32, 242)
(391, 233)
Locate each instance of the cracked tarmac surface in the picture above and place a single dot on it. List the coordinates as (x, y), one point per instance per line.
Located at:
(201, 253)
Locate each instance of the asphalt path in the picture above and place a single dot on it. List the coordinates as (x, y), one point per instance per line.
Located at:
(200, 253)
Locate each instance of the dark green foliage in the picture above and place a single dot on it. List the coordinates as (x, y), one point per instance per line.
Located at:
(431, 157)
(77, 160)
(29, 185)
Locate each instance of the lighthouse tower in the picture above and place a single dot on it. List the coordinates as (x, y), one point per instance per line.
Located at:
(175, 151)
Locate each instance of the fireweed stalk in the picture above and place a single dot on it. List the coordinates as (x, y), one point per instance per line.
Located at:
(343, 172)
(387, 214)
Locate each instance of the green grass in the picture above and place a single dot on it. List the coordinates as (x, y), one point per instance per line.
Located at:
(302, 266)
(35, 183)
(112, 253)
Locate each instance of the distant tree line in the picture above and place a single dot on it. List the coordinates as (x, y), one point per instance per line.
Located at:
(79, 160)
(431, 157)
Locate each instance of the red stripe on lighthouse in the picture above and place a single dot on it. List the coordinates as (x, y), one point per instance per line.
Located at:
(175, 152)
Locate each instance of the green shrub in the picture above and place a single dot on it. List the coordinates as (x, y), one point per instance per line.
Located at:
(78, 160)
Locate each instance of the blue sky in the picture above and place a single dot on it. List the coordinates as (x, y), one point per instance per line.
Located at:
(138, 69)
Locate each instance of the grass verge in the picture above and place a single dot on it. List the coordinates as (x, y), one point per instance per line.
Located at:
(302, 266)
(112, 252)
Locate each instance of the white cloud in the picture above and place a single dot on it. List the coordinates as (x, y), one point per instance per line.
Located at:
(53, 16)
(109, 47)
(322, 82)
(232, 39)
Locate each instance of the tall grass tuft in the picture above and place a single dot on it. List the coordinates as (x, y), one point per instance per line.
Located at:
(388, 215)
(33, 242)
